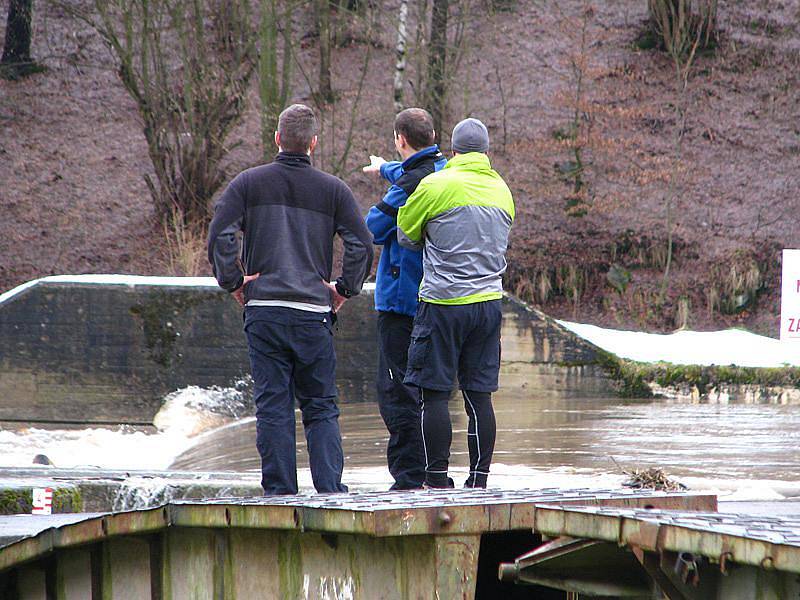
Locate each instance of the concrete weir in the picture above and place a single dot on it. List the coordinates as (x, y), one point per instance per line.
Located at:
(108, 348)
(444, 544)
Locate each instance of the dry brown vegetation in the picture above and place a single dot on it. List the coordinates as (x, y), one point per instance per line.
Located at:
(581, 108)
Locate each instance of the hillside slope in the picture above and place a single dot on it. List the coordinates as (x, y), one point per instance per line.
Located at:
(72, 157)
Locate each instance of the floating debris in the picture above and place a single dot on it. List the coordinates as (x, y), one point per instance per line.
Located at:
(653, 478)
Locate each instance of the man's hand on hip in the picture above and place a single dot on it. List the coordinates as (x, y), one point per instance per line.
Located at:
(336, 298)
(374, 165)
(238, 294)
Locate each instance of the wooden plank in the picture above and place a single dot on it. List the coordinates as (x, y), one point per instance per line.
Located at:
(456, 566)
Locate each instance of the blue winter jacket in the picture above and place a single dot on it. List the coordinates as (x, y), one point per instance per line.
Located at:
(399, 269)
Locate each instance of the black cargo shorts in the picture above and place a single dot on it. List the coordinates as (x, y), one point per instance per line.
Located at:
(455, 340)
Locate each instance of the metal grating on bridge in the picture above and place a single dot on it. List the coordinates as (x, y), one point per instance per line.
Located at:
(377, 501)
(773, 530)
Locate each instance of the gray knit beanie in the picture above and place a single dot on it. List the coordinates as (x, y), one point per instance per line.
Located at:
(470, 135)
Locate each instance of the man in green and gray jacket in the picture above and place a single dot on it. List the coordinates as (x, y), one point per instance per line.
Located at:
(460, 217)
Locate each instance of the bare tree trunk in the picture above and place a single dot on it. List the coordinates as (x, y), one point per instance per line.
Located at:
(16, 59)
(323, 10)
(339, 162)
(654, 8)
(339, 121)
(420, 53)
(503, 105)
(400, 51)
(578, 65)
(682, 37)
(273, 90)
(187, 64)
(437, 59)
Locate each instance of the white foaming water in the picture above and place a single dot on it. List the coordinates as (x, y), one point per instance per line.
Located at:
(193, 410)
(142, 492)
(745, 489)
(119, 448)
(506, 477)
(184, 414)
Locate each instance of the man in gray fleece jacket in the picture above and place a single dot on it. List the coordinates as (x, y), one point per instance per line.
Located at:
(287, 213)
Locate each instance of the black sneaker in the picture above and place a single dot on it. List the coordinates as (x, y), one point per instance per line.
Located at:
(450, 485)
(397, 487)
(476, 481)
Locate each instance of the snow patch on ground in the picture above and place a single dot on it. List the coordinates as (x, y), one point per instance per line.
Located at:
(729, 347)
(100, 279)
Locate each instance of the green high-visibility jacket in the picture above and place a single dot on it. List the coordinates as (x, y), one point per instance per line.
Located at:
(461, 217)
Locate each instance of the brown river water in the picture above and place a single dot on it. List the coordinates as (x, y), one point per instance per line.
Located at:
(752, 450)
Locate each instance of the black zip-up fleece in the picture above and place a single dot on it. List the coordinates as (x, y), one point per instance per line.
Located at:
(289, 213)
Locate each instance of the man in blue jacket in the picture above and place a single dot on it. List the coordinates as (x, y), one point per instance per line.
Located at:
(396, 291)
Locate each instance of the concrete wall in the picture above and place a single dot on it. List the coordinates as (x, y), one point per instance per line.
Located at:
(88, 349)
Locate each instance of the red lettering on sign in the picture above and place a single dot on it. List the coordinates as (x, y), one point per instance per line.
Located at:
(798, 286)
(792, 325)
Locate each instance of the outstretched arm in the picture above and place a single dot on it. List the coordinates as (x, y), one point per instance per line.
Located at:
(392, 171)
(382, 218)
(389, 170)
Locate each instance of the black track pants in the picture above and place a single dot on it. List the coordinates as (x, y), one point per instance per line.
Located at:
(398, 402)
(437, 434)
(480, 436)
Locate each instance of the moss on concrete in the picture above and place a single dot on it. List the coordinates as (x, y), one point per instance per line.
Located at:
(708, 377)
(631, 383)
(14, 501)
(158, 314)
(634, 378)
(67, 500)
(290, 566)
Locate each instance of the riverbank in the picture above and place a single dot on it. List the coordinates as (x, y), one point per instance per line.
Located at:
(731, 365)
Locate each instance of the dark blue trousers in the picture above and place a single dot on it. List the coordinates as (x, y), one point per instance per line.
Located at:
(399, 403)
(292, 357)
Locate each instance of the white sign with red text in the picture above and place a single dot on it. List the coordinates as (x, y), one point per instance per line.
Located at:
(42, 501)
(790, 296)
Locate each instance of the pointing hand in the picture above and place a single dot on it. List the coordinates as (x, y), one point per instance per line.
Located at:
(374, 165)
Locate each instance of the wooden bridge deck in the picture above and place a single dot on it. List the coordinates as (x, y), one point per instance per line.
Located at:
(371, 545)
